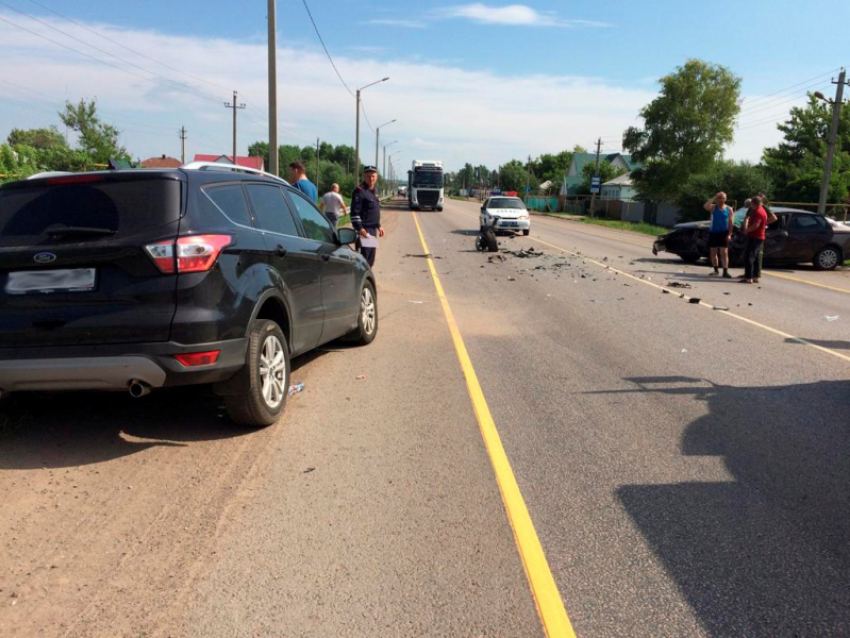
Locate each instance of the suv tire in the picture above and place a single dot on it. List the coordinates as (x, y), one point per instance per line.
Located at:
(267, 371)
(367, 319)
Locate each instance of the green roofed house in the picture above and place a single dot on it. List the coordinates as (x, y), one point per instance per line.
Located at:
(574, 179)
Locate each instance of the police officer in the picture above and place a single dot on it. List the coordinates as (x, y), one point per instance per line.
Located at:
(366, 214)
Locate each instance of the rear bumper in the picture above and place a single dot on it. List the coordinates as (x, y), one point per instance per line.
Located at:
(113, 367)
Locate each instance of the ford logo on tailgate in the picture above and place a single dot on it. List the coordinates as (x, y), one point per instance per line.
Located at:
(44, 258)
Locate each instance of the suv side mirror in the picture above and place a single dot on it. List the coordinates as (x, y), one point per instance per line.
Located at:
(346, 235)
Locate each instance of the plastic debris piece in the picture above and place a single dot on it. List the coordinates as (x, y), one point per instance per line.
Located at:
(831, 317)
(694, 300)
(360, 377)
(296, 388)
(720, 308)
(416, 302)
(678, 284)
(683, 350)
(665, 291)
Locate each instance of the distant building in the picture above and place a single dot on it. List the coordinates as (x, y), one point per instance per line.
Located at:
(247, 162)
(620, 187)
(574, 179)
(162, 162)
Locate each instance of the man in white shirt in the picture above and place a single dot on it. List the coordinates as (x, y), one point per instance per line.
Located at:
(333, 205)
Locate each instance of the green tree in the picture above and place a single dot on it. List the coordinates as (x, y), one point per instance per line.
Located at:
(685, 128)
(796, 164)
(98, 140)
(739, 180)
(515, 177)
(552, 167)
(40, 138)
(330, 173)
(260, 149)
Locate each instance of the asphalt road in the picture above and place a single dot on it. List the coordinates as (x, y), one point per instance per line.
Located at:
(685, 468)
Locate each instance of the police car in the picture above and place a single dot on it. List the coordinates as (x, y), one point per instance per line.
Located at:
(504, 213)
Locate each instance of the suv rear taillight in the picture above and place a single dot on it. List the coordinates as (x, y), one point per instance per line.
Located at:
(193, 253)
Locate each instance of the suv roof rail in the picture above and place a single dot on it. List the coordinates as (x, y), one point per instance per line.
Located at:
(49, 174)
(201, 166)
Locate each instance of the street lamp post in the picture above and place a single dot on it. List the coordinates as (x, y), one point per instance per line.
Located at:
(378, 142)
(384, 172)
(273, 146)
(357, 126)
(831, 140)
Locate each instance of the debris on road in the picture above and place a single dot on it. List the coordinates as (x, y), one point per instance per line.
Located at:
(492, 259)
(678, 284)
(524, 254)
(309, 469)
(694, 300)
(360, 377)
(511, 279)
(665, 291)
(720, 308)
(296, 388)
(415, 302)
(831, 317)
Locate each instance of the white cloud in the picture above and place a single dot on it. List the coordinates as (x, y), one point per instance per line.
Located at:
(408, 24)
(443, 111)
(514, 14)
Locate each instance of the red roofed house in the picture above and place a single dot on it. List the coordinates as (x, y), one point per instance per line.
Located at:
(162, 162)
(247, 162)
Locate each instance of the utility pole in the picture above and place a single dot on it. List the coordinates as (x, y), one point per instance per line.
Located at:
(595, 172)
(317, 163)
(831, 141)
(235, 106)
(357, 138)
(274, 157)
(182, 144)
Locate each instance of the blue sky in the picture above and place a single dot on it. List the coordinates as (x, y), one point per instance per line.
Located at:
(478, 82)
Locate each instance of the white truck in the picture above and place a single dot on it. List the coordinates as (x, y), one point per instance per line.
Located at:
(425, 185)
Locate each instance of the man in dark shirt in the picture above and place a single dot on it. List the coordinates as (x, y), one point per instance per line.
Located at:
(366, 214)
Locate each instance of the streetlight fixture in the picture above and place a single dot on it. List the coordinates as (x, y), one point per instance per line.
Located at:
(378, 139)
(357, 132)
(832, 139)
(384, 172)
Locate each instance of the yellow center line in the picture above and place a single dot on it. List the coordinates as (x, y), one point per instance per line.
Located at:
(727, 313)
(547, 598)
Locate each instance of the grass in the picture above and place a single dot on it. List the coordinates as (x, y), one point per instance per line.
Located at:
(635, 227)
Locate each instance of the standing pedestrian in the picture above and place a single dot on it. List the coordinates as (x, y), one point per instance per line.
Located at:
(720, 233)
(298, 178)
(755, 225)
(366, 214)
(333, 206)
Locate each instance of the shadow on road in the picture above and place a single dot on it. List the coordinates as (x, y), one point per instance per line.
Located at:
(69, 429)
(825, 343)
(767, 553)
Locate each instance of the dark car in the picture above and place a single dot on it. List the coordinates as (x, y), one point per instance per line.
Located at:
(796, 237)
(138, 280)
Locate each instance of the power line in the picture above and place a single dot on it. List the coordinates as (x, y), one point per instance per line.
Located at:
(124, 46)
(185, 88)
(309, 13)
(793, 86)
(785, 100)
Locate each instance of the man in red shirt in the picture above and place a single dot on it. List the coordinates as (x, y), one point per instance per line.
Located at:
(755, 225)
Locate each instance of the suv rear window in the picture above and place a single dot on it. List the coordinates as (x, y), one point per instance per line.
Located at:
(126, 208)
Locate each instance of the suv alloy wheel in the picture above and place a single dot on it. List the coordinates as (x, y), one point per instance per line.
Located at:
(267, 372)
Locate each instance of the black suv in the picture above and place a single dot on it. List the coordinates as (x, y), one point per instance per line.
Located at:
(142, 279)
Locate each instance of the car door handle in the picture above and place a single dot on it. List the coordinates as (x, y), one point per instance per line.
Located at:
(326, 257)
(280, 251)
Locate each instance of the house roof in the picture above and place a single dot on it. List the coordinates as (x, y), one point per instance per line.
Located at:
(581, 159)
(247, 162)
(162, 162)
(623, 180)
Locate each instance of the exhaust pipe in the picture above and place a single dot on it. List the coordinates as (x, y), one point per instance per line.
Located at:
(138, 389)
